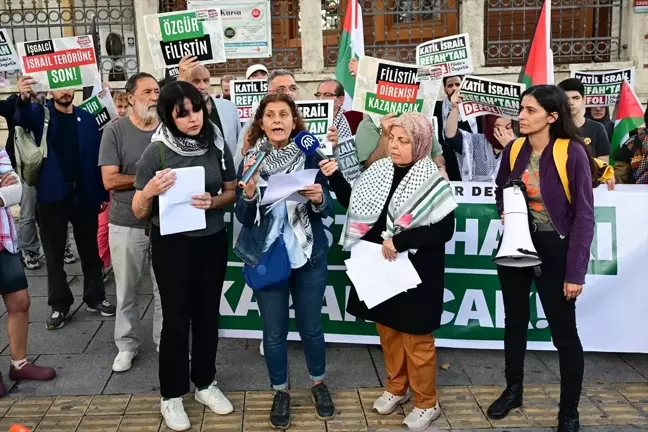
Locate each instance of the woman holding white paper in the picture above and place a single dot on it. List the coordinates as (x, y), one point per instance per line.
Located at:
(284, 249)
(403, 203)
(189, 266)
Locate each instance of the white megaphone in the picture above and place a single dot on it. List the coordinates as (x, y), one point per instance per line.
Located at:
(516, 248)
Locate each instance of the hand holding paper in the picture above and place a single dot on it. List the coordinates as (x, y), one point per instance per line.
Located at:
(177, 212)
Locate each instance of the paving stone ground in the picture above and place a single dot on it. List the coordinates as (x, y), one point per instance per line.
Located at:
(88, 396)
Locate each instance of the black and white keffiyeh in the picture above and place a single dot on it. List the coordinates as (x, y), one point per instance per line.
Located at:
(282, 161)
(187, 146)
(342, 125)
(422, 198)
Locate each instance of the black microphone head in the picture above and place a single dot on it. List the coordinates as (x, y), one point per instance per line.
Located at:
(307, 142)
(265, 147)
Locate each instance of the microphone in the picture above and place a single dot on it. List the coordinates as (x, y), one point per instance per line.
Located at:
(264, 151)
(310, 145)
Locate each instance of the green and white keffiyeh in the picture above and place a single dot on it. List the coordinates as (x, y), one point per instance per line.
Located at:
(422, 198)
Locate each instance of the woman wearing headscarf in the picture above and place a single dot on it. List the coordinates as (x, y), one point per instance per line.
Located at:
(284, 248)
(601, 115)
(189, 266)
(403, 203)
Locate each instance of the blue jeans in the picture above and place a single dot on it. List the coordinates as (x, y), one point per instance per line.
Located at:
(306, 285)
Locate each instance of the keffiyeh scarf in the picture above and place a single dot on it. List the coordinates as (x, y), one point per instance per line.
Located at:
(282, 161)
(478, 161)
(342, 125)
(639, 162)
(422, 198)
(8, 233)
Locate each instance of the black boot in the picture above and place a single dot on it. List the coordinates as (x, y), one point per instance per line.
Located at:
(511, 398)
(568, 420)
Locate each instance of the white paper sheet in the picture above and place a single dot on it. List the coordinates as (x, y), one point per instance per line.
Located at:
(376, 279)
(176, 212)
(285, 186)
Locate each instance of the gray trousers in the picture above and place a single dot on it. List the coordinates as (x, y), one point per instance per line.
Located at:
(27, 229)
(129, 251)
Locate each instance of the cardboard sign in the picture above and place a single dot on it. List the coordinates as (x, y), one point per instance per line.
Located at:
(246, 26)
(8, 57)
(246, 95)
(603, 88)
(451, 53)
(174, 35)
(102, 107)
(318, 115)
(383, 87)
(60, 63)
(487, 96)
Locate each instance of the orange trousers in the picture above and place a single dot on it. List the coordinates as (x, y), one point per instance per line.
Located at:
(102, 237)
(410, 361)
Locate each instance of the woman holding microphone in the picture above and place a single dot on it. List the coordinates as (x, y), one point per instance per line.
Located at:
(562, 232)
(189, 266)
(284, 249)
(403, 203)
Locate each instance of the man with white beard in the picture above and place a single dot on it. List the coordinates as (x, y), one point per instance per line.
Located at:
(122, 146)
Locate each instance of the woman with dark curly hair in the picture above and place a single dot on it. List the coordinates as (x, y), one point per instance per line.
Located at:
(284, 249)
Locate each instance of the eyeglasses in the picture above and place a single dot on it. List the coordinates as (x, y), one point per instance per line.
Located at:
(327, 94)
(284, 89)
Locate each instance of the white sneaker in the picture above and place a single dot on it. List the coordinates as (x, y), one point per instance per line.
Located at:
(419, 419)
(214, 399)
(387, 402)
(174, 414)
(261, 349)
(124, 361)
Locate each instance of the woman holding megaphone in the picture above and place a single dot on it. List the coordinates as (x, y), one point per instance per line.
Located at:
(562, 228)
(284, 248)
(403, 203)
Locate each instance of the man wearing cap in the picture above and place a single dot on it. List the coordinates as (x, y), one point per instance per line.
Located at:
(222, 112)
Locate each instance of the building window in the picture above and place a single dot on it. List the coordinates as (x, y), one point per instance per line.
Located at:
(583, 31)
(286, 42)
(45, 19)
(392, 28)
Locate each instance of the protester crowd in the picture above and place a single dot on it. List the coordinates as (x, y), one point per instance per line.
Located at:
(105, 185)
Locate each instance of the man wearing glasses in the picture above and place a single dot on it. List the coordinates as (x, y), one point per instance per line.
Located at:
(345, 121)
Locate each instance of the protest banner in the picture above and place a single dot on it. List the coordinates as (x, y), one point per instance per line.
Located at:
(174, 35)
(616, 286)
(383, 87)
(318, 115)
(102, 107)
(8, 57)
(60, 63)
(246, 95)
(246, 26)
(602, 88)
(488, 96)
(346, 155)
(451, 53)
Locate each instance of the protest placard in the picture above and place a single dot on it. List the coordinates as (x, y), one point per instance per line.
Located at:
(174, 35)
(102, 107)
(318, 115)
(60, 63)
(346, 155)
(246, 95)
(8, 56)
(451, 53)
(246, 26)
(487, 96)
(602, 88)
(384, 87)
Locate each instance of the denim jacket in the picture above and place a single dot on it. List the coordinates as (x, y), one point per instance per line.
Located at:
(251, 239)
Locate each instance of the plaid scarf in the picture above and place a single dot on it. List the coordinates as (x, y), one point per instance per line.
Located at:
(282, 161)
(639, 162)
(8, 234)
(422, 198)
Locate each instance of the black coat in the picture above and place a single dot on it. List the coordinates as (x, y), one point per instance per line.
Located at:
(418, 310)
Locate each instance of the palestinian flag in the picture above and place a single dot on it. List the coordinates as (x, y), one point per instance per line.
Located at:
(628, 116)
(538, 67)
(351, 45)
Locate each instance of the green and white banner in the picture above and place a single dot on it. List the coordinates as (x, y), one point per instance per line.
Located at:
(612, 311)
(102, 107)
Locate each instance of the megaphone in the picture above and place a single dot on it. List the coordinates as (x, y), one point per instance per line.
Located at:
(516, 248)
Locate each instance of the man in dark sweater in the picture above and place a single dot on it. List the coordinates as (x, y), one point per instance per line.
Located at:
(69, 188)
(593, 133)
